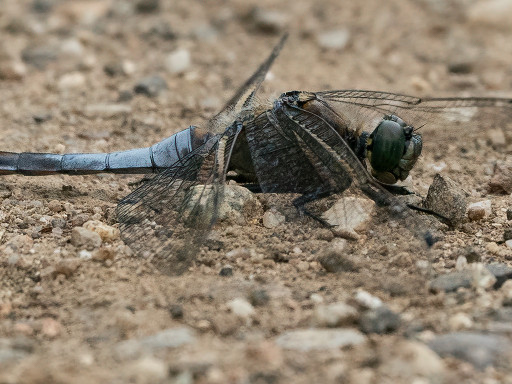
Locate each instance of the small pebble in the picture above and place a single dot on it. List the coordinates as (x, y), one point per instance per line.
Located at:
(461, 263)
(119, 68)
(335, 314)
(103, 254)
(147, 369)
(481, 350)
(380, 320)
(39, 56)
(259, 297)
(151, 86)
(55, 206)
(269, 21)
(178, 61)
(176, 311)
(227, 270)
(147, 6)
(335, 261)
(501, 180)
(460, 321)
(320, 339)
(40, 118)
(107, 110)
(69, 81)
(106, 232)
(367, 300)
(12, 71)
(85, 255)
(479, 210)
(50, 328)
(241, 307)
(336, 39)
(66, 267)
(273, 219)
(83, 237)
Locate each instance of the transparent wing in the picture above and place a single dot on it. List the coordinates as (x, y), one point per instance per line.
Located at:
(244, 97)
(350, 179)
(365, 107)
(168, 218)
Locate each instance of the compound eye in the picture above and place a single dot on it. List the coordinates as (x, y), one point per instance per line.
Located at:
(387, 145)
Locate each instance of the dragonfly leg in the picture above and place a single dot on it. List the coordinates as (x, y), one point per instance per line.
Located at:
(444, 219)
(300, 204)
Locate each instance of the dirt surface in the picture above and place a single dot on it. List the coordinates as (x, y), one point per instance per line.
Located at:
(72, 312)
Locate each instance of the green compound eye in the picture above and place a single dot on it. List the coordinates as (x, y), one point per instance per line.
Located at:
(386, 146)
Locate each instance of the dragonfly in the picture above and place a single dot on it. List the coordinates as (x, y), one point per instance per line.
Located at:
(309, 144)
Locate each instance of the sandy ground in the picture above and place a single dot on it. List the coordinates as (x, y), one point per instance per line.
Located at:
(71, 314)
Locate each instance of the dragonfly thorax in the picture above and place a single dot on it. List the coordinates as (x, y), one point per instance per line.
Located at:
(393, 149)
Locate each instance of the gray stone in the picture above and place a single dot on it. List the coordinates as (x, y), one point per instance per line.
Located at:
(176, 311)
(151, 86)
(502, 272)
(446, 198)
(226, 270)
(42, 117)
(379, 320)
(450, 282)
(15, 349)
(85, 238)
(233, 207)
(147, 6)
(39, 56)
(490, 13)
(166, 339)
(320, 339)
(273, 219)
(501, 180)
(479, 349)
(503, 314)
(107, 110)
(259, 297)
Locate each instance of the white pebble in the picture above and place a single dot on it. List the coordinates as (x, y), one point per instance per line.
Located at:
(366, 300)
(241, 307)
(71, 80)
(460, 321)
(178, 61)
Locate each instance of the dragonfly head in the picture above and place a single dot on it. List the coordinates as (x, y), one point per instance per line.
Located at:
(392, 149)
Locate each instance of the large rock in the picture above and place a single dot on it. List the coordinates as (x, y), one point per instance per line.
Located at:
(166, 339)
(501, 180)
(320, 339)
(475, 275)
(446, 198)
(349, 215)
(238, 202)
(479, 349)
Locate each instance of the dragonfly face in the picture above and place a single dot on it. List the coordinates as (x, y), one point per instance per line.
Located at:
(393, 149)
